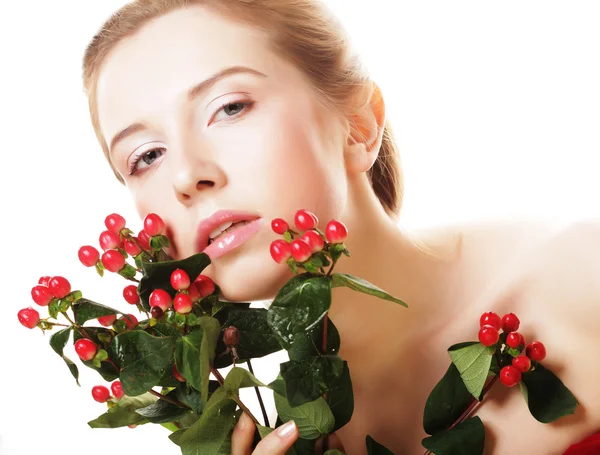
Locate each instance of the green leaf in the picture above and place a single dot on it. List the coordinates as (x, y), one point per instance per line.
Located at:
(190, 397)
(53, 309)
(209, 433)
(308, 379)
(300, 304)
(309, 343)
(170, 426)
(85, 310)
(374, 448)
(106, 370)
(142, 358)
(340, 398)
(313, 418)
(466, 438)
(360, 285)
(162, 411)
(157, 275)
(58, 341)
(446, 402)
(473, 361)
(124, 412)
(547, 397)
(334, 452)
(176, 436)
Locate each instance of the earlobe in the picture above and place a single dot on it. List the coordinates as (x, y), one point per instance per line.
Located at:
(365, 134)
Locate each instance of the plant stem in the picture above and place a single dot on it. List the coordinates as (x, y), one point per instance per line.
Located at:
(474, 404)
(169, 400)
(260, 400)
(244, 408)
(324, 340)
(75, 326)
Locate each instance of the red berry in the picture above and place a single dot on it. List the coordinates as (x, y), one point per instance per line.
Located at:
(205, 285)
(113, 260)
(305, 220)
(45, 280)
(281, 251)
(28, 317)
(161, 299)
(536, 351)
(100, 394)
(154, 225)
(301, 250)
(514, 340)
(131, 248)
(130, 295)
(336, 232)
(59, 286)
(177, 374)
(88, 255)
(180, 280)
(510, 323)
(193, 292)
(156, 312)
(133, 425)
(143, 240)
(130, 320)
(182, 303)
(117, 389)
(114, 223)
(490, 318)
(41, 295)
(279, 226)
(109, 240)
(488, 335)
(106, 321)
(522, 363)
(314, 239)
(510, 376)
(231, 336)
(85, 349)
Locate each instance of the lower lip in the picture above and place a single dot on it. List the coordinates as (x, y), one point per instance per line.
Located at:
(232, 239)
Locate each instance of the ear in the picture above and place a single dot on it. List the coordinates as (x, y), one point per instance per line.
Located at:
(365, 134)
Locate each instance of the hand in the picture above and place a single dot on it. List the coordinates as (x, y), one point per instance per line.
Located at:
(277, 443)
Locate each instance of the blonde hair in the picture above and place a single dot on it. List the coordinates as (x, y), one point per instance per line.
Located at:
(304, 32)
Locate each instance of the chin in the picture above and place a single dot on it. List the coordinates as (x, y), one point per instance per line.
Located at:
(248, 277)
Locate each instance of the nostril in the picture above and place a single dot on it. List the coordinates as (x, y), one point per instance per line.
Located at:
(203, 184)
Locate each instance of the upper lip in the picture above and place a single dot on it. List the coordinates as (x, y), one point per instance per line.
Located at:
(209, 224)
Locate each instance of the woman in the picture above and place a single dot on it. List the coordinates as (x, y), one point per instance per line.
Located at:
(244, 111)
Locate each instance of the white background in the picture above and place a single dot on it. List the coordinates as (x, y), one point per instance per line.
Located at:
(496, 106)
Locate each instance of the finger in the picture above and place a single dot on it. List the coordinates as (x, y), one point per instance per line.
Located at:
(243, 435)
(334, 442)
(279, 441)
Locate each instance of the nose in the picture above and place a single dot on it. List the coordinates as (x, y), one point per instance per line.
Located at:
(194, 177)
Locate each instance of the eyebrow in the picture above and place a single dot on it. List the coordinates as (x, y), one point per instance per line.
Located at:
(193, 93)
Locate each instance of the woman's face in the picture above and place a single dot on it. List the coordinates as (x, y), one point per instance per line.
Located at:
(253, 141)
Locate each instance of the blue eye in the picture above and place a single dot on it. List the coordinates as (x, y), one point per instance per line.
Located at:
(146, 158)
(232, 110)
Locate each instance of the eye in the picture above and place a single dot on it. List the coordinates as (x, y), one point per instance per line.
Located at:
(232, 109)
(145, 159)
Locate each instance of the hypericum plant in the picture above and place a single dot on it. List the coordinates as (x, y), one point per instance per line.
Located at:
(161, 366)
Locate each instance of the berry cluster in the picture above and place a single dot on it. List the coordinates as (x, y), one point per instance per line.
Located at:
(53, 292)
(101, 393)
(118, 243)
(312, 247)
(511, 343)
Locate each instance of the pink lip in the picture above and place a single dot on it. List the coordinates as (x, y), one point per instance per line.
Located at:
(230, 240)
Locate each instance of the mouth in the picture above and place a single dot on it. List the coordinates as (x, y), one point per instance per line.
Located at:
(226, 230)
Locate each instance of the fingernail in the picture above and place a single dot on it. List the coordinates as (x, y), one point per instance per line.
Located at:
(287, 429)
(242, 422)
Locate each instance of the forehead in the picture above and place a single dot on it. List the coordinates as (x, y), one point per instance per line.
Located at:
(156, 66)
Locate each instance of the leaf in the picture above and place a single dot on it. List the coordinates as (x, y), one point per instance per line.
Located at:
(547, 397)
(309, 343)
(360, 285)
(374, 448)
(446, 402)
(473, 361)
(157, 275)
(124, 412)
(340, 398)
(308, 379)
(161, 411)
(466, 438)
(106, 370)
(170, 426)
(164, 329)
(239, 378)
(85, 310)
(58, 341)
(207, 435)
(191, 397)
(176, 437)
(142, 358)
(300, 304)
(313, 418)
